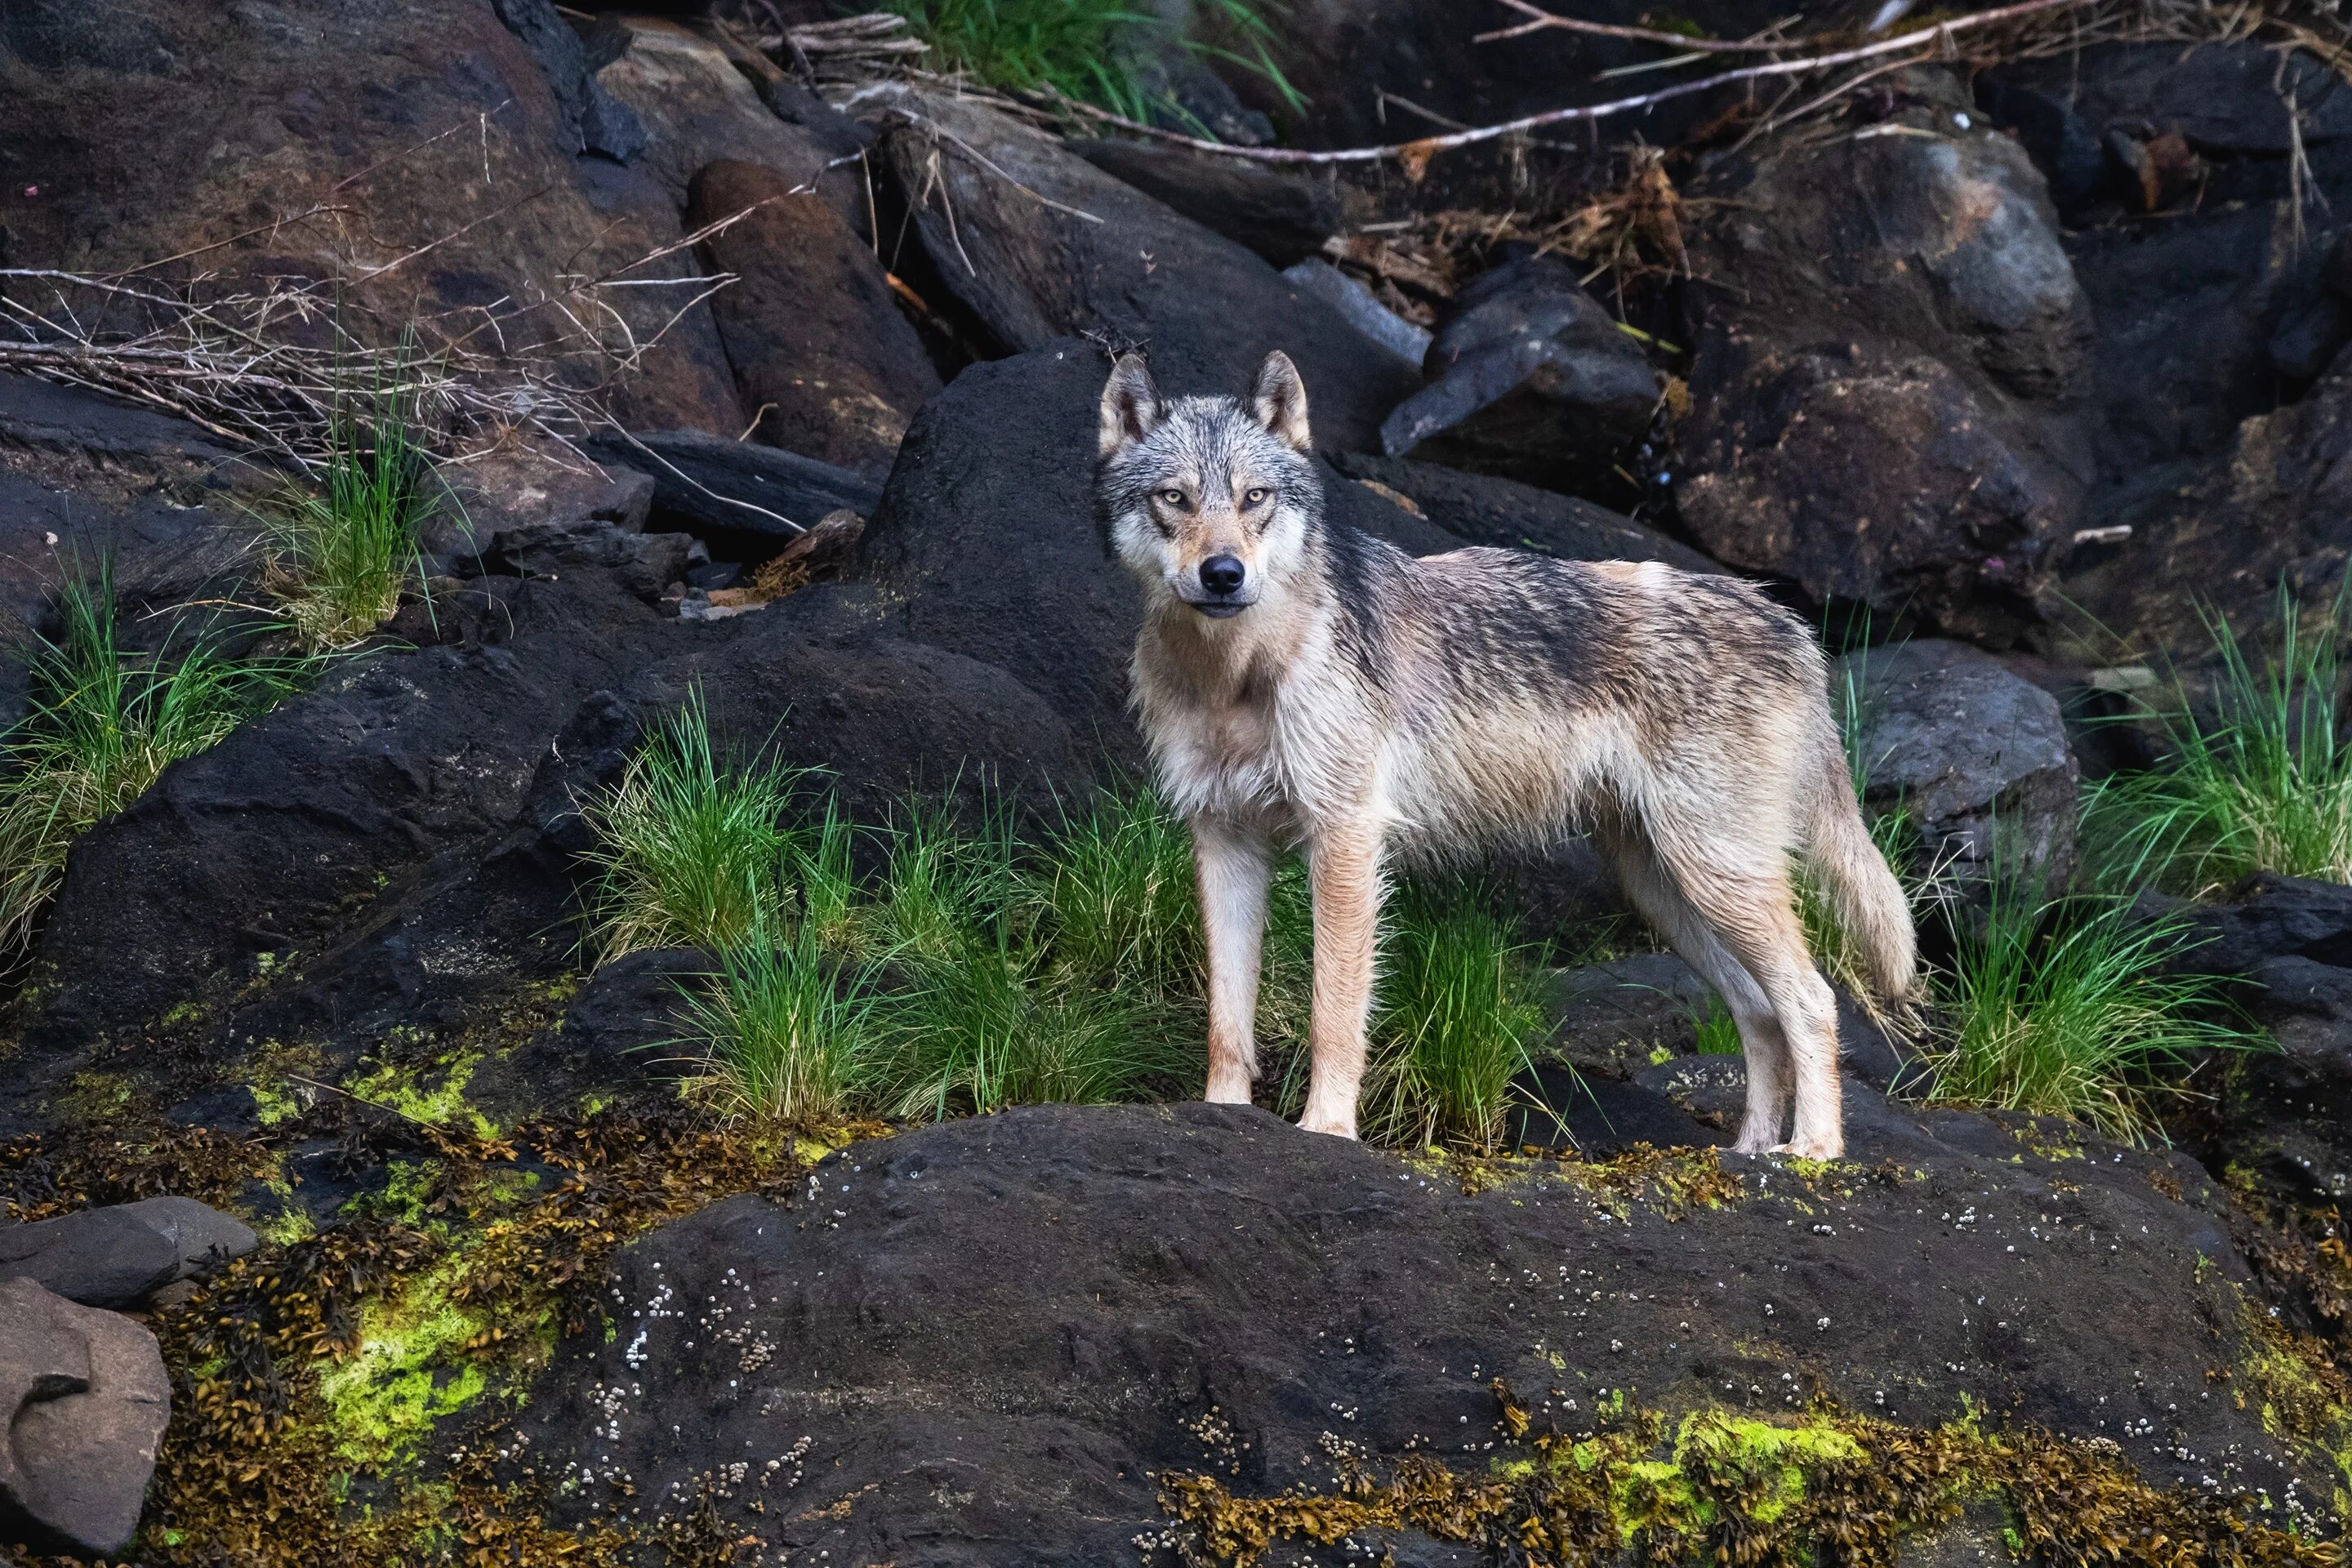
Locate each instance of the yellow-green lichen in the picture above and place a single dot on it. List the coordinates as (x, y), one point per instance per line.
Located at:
(443, 1106)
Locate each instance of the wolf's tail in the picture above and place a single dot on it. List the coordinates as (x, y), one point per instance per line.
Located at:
(1862, 889)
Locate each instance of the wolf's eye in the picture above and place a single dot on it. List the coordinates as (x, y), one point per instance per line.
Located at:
(1174, 497)
(1255, 497)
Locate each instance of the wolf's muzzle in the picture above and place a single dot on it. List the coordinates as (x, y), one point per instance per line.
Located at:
(1222, 580)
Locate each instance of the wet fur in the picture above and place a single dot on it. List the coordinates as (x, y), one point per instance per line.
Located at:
(1373, 707)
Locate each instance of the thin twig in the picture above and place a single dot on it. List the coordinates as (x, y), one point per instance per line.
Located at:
(1543, 20)
(1416, 154)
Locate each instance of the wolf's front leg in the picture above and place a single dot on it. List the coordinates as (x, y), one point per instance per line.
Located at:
(1235, 866)
(1344, 868)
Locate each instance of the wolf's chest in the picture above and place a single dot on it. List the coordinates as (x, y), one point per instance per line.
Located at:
(1221, 757)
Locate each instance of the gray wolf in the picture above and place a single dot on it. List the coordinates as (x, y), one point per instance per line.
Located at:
(1300, 683)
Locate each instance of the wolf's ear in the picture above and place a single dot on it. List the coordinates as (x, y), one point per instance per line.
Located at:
(1280, 399)
(1131, 405)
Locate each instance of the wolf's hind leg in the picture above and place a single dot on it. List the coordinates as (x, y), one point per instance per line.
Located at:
(1660, 902)
(1236, 866)
(1344, 869)
(1756, 917)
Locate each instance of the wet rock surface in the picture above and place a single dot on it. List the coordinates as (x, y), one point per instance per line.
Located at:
(1031, 269)
(818, 346)
(978, 1343)
(1977, 755)
(1897, 354)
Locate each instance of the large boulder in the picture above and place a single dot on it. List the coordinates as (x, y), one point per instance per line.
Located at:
(87, 1400)
(1283, 214)
(1484, 510)
(1877, 408)
(1978, 756)
(1038, 245)
(698, 109)
(818, 346)
(417, 152)
(2273, 506)
(1001, 1341)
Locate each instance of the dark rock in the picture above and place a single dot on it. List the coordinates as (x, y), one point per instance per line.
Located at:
(629, 1010)
(797, 104)
(1044, 246)
(699, 109)
(1488, 510)
(1282, 216)
(1364, 312)
(520, 485)
(992, 1333)
(2286, 1109)
(87, 482)
(1609, 1018)
(213, 146)
(205, 1236)
(1978, 756)
(989, 516)
(99, 1257)
(1530, 378)
(759, 497)
(283, 834)
(814, 682)
(606, 126)
(817, 345)
(2269, 916)
(87, 1400)
(2221, 98)
(2274, 505)
(643, 564)
(1878, 411)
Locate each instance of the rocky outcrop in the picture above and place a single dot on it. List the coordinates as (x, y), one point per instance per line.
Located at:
(1503, 512)
(1877, 409)
(818, 346)
(1979, 758)
(87, 1400)
(999, 1341)
(1038, 245)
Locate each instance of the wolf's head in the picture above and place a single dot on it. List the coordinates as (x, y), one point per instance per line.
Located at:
(1207, 499)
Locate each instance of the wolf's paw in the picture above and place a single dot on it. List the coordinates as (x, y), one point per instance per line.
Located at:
(1332, 1126)
(1235, 1090)
(1812, 1147)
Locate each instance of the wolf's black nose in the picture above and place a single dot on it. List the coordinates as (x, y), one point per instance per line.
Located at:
(1223, 574)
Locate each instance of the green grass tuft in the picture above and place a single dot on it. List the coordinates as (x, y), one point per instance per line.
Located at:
(688, 848)
(342, 554)
(105, 722)
(2076, 1008)
(2262, 783)
(1456, 1014)
(1715, 1030)
(1074, 48)
(1117, 896)
(783, 1024)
